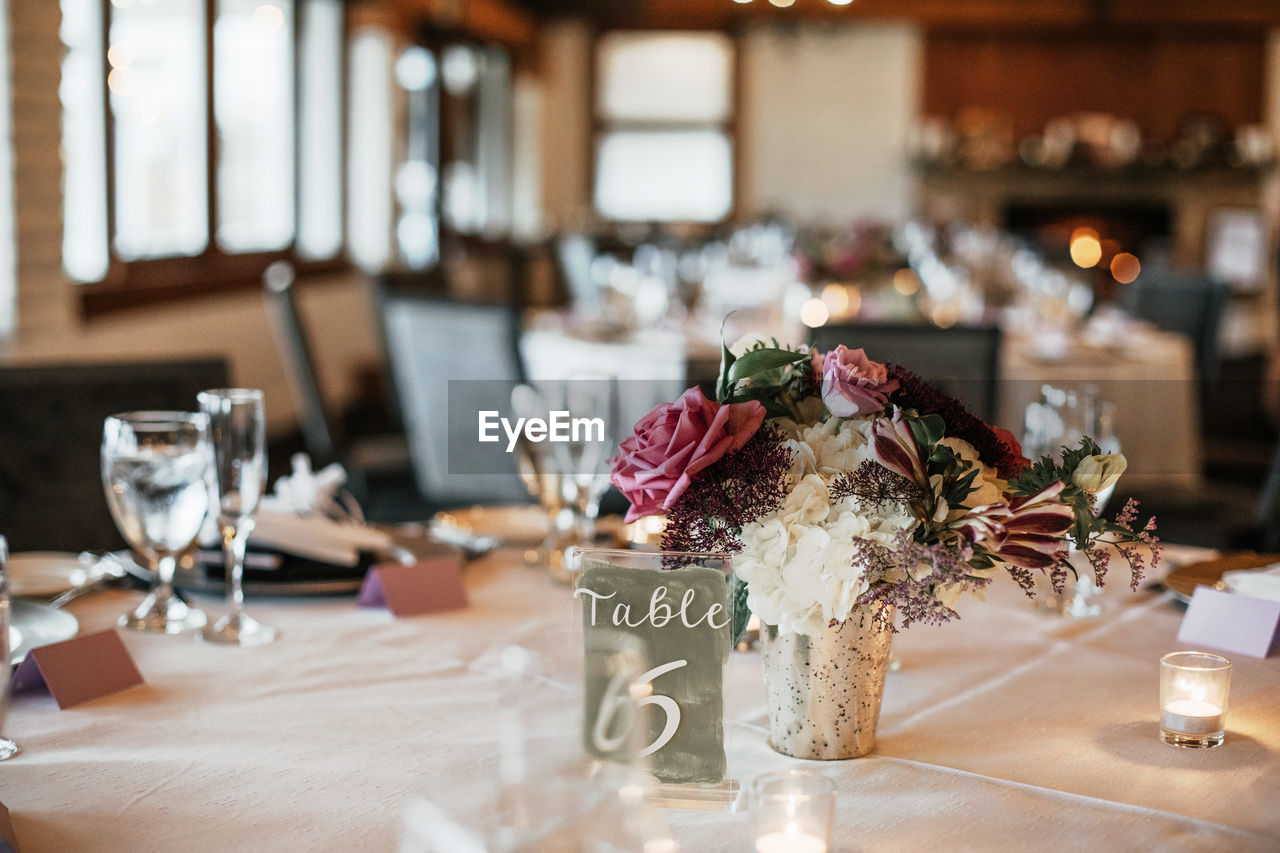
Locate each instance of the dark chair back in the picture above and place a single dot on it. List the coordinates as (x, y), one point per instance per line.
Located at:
(318, 432)
(51, 494)
(1187, 303)
(963, 361)
(431, 340)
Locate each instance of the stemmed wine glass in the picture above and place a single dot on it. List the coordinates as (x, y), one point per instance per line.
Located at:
(237, 432)
(154, 471)
(8, 748)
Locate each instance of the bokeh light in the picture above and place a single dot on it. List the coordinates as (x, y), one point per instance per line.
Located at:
(1086, 250)
(906, 282)
(814, 313)
(1125, 267)
(836, 298)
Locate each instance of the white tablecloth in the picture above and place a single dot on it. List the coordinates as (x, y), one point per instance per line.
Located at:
(1006, 730)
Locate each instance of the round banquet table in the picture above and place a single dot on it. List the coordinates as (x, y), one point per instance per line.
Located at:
(1006, 730)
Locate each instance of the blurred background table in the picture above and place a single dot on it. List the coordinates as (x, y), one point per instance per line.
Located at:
(1150, 379)
(1007, 730)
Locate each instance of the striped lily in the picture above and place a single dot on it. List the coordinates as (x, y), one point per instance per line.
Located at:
(1035, 529)
(895, 448)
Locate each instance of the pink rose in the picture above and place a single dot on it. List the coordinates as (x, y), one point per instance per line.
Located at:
(673, 443)
(853, 384)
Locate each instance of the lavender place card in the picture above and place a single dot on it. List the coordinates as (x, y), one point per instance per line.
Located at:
(429, 586)
(8, 838)
(78, 670)
(1232, 623)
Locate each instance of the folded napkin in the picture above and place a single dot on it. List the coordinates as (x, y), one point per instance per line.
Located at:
(317, 538)
(1255, 583)
(305, 491)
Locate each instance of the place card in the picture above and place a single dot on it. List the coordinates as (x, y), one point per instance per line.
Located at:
(8, 838)
(1233, 623)
(79, 670)
(428, 586)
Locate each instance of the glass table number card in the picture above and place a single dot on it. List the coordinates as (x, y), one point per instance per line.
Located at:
(672, 714)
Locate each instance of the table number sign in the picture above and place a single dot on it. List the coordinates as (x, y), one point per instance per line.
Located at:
(680, 608)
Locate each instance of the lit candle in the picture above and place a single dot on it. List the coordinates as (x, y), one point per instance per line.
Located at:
(790, 840)
(792, 812)
(1193, 698)
(1192, 716)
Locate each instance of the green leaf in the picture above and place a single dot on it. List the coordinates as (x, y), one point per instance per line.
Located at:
(760, 360)
(928, 430)
(723, 385)
(741, 612)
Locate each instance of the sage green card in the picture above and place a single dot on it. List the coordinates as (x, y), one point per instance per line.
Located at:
(683, 618)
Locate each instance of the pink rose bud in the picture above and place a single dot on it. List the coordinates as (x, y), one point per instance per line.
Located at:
(853, 384)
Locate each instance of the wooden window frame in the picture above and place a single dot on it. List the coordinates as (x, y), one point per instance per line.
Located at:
(151, 281)
(730, 127)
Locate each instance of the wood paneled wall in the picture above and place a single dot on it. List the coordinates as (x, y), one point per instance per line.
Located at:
(1156, 79)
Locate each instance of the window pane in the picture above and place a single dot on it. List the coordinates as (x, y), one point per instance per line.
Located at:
(320, 159)
(157, 85)
(417, 234)
(666, 76)
(84, 147)
(493, 145)
(252, 102)
(369, 154)
(664, 175)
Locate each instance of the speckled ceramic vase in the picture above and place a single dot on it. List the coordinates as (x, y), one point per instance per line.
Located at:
(824, 692)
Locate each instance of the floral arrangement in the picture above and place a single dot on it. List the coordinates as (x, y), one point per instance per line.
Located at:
(840, 482)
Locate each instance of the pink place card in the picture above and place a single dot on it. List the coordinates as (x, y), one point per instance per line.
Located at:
(429, 586)
(8, 838)
(1232, 623)
(78, 670)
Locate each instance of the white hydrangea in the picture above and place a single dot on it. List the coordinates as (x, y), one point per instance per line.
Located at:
(797, 561)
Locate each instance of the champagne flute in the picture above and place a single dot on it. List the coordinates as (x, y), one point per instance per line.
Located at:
(8, 748)
(237, 431)
(154, 471)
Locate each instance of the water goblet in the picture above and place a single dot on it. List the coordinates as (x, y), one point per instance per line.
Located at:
(237, 433)
(8, 748)
(154, 471)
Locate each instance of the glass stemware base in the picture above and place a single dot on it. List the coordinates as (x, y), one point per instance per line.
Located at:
(239, 629)
(158, 615)
(8, 749)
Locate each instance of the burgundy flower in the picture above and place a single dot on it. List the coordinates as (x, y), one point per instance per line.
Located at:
(853, 384)
(675, 441)
(996, 447)
(1036, 528)
(894, 447)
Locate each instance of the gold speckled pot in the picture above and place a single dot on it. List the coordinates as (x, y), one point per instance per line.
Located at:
(824, 692)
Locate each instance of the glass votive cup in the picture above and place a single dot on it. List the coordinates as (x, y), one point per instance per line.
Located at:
(1193, 699)
(792, 812)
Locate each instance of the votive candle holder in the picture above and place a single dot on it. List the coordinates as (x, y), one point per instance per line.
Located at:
(792, 811)
(1193, 699)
